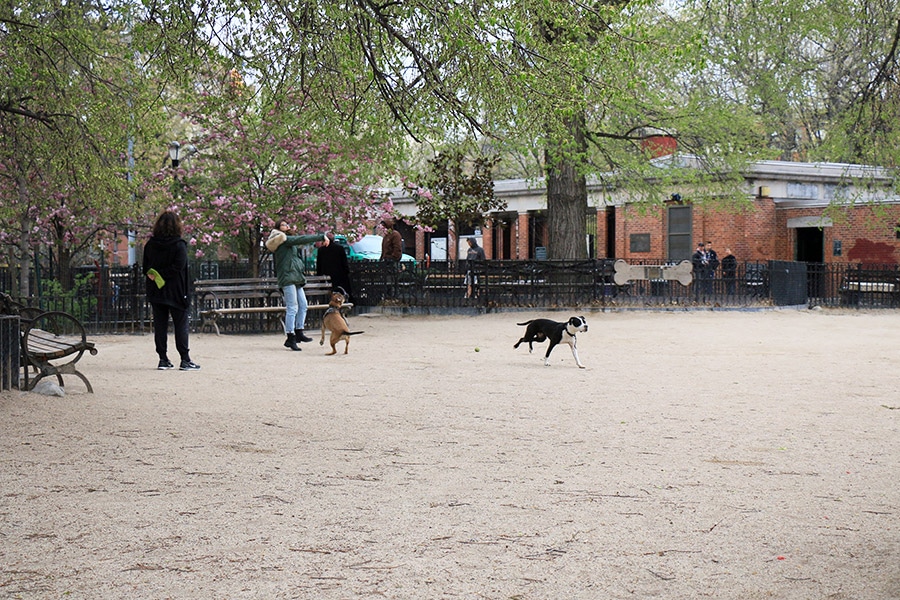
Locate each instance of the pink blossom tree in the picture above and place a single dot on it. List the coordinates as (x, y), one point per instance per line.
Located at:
(256, 163)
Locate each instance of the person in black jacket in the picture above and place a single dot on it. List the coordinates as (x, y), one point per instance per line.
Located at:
(474, 256)
(165, 265)
(712, 260)
(332, 260)
(729, 270)
(701, 268)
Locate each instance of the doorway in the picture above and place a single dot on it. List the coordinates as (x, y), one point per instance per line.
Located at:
(810, 249)
(610, 232)
(810, 246)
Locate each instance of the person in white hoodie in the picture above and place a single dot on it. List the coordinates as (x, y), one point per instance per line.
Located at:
(289, 271)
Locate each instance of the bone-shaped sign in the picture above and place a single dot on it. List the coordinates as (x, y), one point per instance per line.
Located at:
(682, 272)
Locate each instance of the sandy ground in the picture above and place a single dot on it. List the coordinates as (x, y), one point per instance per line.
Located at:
(741, 455)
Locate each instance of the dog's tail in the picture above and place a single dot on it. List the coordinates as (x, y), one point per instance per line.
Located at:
(525, 323)
(354, 332)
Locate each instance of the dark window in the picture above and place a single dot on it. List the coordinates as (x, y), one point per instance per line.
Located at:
(639, 242)
(679, 233)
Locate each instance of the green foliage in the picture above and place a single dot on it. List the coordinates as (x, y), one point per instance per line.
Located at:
(819, 77)
(573, 88)
(450, 191)
(80, 301)
(76, 104)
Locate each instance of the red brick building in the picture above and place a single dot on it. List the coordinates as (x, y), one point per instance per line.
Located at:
(812, 212)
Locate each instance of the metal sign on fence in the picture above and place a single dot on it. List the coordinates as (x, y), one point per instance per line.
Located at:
(209, 270)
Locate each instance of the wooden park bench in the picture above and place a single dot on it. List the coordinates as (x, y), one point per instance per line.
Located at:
(255, 296)
(51, 343)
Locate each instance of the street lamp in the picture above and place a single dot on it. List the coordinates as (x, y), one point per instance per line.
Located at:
(175, 153)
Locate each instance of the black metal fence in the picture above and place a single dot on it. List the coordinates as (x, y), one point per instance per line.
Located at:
(113, 301)
(547, 284)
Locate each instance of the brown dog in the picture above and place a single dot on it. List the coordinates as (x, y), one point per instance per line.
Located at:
(335, 322)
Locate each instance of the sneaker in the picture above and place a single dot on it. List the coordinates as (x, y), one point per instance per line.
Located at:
(165, 365)
(189, 365)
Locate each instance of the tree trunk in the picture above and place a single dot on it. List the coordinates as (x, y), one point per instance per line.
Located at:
(254, 254)
(24, 266)
(64, 274)
(567, 195)
(24, 241)
(64, 267)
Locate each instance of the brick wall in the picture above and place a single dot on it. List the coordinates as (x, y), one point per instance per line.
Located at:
(758, 232)
(631, 220)
(866, 233)
(522, 237)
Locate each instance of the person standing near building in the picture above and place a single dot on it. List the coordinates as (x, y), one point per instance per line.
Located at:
(474, 255)
(392, 242)
(729, 270)
(700, 266)
(166, 267)
(289, 270)
(712, 265)
(391, 253)
(332, 260)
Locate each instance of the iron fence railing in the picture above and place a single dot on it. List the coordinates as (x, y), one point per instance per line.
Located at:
(114, 302)
(546, 284)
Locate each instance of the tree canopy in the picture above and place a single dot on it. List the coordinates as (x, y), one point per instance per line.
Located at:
(92, 92)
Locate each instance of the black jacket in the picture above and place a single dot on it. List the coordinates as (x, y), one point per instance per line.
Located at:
(332, 260)
(729, 265)
(168, 255)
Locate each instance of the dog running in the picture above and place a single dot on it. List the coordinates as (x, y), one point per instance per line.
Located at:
(539, 330)
(335, 322)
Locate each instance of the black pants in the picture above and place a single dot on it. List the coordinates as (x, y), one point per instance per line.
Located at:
(161, 313)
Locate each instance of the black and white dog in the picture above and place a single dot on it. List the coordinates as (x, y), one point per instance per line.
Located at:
(538, 330)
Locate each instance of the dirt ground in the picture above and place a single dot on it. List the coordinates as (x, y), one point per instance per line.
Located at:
(736, 455)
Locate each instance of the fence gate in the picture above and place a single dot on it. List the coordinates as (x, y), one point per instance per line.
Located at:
(787, 282)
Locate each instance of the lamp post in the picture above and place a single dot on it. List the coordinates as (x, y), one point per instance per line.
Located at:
(175, 154)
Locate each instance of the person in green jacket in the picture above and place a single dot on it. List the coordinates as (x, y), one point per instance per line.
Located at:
(289, 270)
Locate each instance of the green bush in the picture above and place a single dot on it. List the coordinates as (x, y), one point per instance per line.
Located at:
(80, 301)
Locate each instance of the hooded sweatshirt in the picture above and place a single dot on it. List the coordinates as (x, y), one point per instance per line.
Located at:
(168, 255)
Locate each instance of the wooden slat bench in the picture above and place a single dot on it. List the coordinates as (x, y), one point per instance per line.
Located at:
(52, 343)
(248, 296)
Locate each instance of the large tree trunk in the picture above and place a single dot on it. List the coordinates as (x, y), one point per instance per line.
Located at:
(25, 255)
(24, 265)
(65, 274)
(567, 195)
(254, 254)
